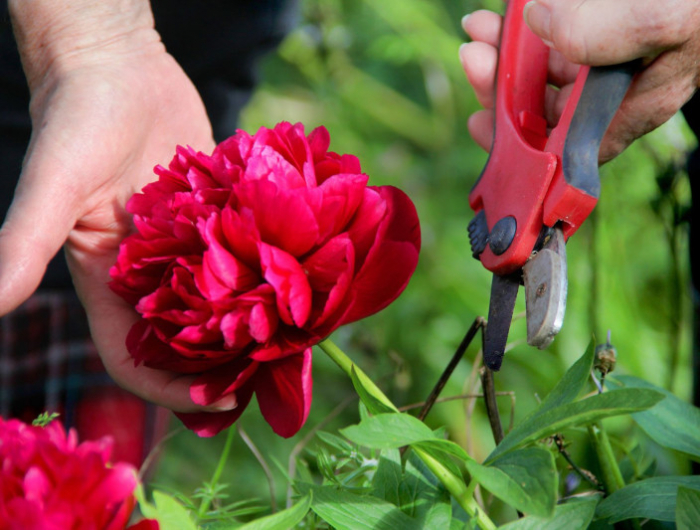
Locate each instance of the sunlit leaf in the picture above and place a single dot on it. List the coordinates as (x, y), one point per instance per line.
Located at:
(586, 411)
(283, 520)
(388, 431)
(570, 385)
(372, 402)
(348, 511)
(170, 514)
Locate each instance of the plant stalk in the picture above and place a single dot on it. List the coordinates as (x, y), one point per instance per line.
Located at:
(206, 501)
(463, 494)
(610, 471)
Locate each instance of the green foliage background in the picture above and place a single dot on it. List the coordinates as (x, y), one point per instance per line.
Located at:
(385, 79)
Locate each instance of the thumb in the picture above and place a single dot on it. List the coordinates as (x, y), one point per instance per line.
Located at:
(36, 226)
(601, 32)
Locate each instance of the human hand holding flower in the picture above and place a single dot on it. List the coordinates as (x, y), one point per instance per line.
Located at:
(107, 104)
(244, 259)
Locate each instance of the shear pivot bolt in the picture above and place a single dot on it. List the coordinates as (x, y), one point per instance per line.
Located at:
(502, 235)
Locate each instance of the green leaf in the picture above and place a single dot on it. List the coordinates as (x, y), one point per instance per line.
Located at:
(448, 447)
(387, 479)
(347, 511)
(574, 514)
(423, 497)
(336, 442)
(569, 386)
(391, 431)
(673, 423)
(414, 489)
(526, 479)
(586, 411)
(388, 431)
(362, 386)
(653, 498)
(170, 514)
(687, 508)
(283, 520)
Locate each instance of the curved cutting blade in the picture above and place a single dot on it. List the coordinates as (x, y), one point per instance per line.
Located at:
(504, 292)
(546, 284)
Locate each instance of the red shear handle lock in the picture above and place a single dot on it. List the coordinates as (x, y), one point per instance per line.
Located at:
(533, 179)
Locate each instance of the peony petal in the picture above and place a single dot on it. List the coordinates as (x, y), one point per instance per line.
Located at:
(342, 196)
(208, 424)
(146, 347)
(241, 235)
(263, 322)
(284, 218)
(232, 378)
(116, 486)
(36, 485)
(285, 274)
(363, 228)
(145, 524)
(330, 271)
(208, 388)
(391, 260)
(283, 389)
(235, 329)
(229, 270)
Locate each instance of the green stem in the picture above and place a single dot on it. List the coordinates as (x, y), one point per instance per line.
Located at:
(463, 494)
(611, 474)
(206, 501)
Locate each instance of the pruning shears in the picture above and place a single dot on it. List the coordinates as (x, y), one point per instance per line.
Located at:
(538, 185)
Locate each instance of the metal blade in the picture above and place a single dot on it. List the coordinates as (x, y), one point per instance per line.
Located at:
(504, 291)
(546, 285)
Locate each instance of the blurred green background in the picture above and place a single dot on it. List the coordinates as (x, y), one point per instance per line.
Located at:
(385, 79)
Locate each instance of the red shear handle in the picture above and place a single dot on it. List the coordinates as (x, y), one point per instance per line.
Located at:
(509, 194)
(530, 179)
(575, 188)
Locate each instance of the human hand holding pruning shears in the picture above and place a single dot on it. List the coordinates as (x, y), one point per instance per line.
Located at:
(548, 133)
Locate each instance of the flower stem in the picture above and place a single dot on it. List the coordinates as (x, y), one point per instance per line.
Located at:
(463, 494)
(206, 500)
(610, 470)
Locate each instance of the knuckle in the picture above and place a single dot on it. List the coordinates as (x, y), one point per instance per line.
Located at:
(669, 25)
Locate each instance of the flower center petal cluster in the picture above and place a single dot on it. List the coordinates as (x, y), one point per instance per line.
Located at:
(49, 481)
(244, 259)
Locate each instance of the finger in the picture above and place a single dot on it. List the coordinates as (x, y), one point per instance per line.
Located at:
(110, 321)
(480, 125)
(36, 226)
(483, 26)
(555, 101)
(656, 95)
(561, 71)
(599, 32)
(479, 62)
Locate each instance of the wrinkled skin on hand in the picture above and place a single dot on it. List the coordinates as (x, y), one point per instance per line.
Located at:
(104, 112)
(665, 35)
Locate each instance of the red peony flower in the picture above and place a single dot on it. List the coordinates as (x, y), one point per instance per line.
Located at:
(50, 482)
(244, 259)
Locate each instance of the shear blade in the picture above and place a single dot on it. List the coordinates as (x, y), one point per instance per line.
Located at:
(546, 285)
(504, 291)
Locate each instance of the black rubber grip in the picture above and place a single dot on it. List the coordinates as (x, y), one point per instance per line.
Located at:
(602, 94)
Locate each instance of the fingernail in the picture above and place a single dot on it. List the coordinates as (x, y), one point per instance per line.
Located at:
(538, 18)
(464, 21)
(224, 404)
